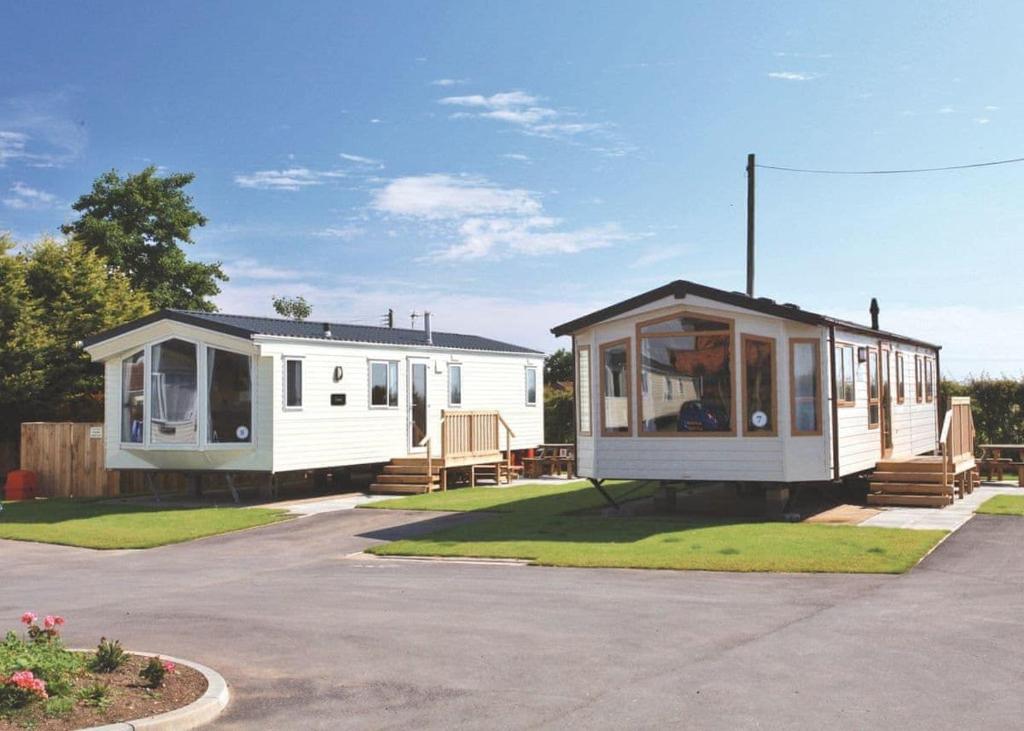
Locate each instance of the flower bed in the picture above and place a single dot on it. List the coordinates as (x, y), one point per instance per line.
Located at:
(45, 686)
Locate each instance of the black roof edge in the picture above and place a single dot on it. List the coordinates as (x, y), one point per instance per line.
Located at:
(681, 288)
(175, 315)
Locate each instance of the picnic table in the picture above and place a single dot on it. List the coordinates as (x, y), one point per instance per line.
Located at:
(551, 459)
(993, 462)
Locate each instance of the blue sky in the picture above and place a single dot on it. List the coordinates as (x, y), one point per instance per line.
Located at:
(510, 166)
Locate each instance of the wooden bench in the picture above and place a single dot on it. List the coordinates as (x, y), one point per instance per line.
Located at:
(500, 472)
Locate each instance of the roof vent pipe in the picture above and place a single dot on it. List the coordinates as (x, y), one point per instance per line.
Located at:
(426, 328)
(327, 329)
(874, 313)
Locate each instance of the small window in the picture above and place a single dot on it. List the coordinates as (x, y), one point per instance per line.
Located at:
(846, 375)
(615, 399)
(454, 385)
(918, 380)
(873, 400)
(133, 397)
(901, 383)
(583, 388)
(229, 380)
(531, 386)
(384, 383)
(759, 386)
(805, 385)
(929, 380)
(293, 383)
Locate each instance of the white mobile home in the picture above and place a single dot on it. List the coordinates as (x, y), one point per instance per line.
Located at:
(691, 383)
(198, 392)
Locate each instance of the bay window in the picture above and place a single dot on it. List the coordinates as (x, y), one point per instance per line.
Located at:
(685, 376)
(133, 397)
(229, 402)
(172, 401)
(759, 411)
(805, 386)
(583, 389)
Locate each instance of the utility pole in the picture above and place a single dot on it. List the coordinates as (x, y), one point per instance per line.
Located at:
(751, 165)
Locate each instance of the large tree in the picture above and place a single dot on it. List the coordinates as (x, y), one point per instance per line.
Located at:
(52, 295)
(559, 367)
(137, 224)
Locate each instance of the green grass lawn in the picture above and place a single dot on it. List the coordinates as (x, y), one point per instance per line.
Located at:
(1003, 505)
(536, 522)
(116, 524)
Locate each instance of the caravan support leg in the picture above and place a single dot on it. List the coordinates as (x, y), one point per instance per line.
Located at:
(230, 476)
(147, 477)
(600, 489)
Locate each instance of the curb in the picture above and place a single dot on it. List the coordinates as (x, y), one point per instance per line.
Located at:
(202, 710)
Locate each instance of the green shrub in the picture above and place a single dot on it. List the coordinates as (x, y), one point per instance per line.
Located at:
(559, 420)
(96, 695)
(109, 656)
(997, 405)
(155, 671)
(58, 707)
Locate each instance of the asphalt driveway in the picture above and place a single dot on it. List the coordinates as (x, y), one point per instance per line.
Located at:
(308, 638)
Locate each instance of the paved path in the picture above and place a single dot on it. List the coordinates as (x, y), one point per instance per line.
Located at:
(311, 640)
(948, 518)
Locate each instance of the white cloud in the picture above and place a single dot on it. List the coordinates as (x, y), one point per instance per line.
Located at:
(346, 233)
(656, 256)
(448, 82)
(947, 110)
(359, 159)
(441, 196)
(38, 131)
(982, 120)
(525, 111)
(793, 75)
(246, 268)
(23, 197)
(485, 219)
(991, 108)
(517, 156)
(12, 145)
(288, 179)
(790, 54)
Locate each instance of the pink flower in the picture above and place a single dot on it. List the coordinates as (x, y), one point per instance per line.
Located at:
(49, 622)
(27, 681)
(58, 620)
(28, 617)
(169, 666)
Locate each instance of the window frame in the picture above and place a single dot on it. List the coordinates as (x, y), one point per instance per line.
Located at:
(876, 379)
(929, 380)
(388, 364)
(818, 430)
(728, 330)
(744, 338)
(141, 444)
(901, 378)
(285, 359)
(204, 428)
(840, 347)
(626, 345)
(526, 386)
(918, 379)
(586, 430)
(201, 397)
(452, 367)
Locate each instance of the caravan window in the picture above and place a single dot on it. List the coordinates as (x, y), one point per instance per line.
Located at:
(929, 380)
(229, 384)
(531, 386)
(686, 376)
(384, 383)
(873, 401)
(758, 386)
(583, 388)
(293, 383)
(454, 384)
(846, 375)
(901, 382)
(615, 399)
(173, 401)
(133, 397)
(918, 380)
(805, 386)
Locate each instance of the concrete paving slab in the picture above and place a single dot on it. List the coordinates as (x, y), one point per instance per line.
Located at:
(950, 518)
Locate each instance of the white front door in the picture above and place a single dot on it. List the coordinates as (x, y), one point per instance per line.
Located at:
(417, 404)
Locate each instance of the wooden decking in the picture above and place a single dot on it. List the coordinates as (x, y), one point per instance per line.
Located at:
(921, 481)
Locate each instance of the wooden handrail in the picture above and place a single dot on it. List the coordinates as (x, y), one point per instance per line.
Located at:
(466, 435)
(428, 442)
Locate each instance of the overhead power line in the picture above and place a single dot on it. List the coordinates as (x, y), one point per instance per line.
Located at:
(892, 172)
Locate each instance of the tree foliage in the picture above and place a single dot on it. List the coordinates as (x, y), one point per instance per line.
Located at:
(137, 224)
(297, 308)
(559, 367)
(559, 419)
(52, 295)
(997, 405)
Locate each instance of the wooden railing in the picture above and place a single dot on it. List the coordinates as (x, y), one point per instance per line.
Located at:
(956, 441)
(470, 437)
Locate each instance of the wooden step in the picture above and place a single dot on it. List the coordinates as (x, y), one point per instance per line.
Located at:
(910, 488)
(406, 479)
(879, 476)
(391, 489)
(895, 465)
(412, 461)
(410, 469)
(910, 501)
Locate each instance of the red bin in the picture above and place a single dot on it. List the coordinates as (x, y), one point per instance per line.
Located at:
(21, 485)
